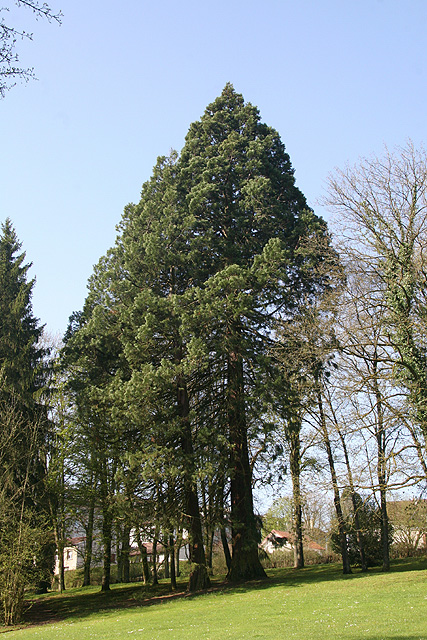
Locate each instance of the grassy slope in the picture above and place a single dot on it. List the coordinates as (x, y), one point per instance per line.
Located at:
(316, 603)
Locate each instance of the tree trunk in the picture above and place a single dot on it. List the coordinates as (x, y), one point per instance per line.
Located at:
(107, 526)
(154, 558)
(346, 568)
(226, 548)
(61, 577)
(172, 561)
(106, 541)
(359, 535)
(382, 472)
(166, 557)
(295, 468)
(89, 543)
(199, 578)
(119, 538)
(144, 561)
(125, 552)
(143, 551)
(245, 563)
(177, 568)
(59, 541)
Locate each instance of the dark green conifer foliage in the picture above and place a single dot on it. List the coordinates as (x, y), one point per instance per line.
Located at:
(21, 358)
(25, 559)
(237, 181)
(93, 356)
(157, 264)
(202, 264)
(23, 372)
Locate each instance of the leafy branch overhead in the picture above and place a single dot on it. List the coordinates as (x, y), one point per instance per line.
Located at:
(10, 68)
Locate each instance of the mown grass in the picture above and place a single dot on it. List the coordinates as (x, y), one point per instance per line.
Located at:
(317, 603)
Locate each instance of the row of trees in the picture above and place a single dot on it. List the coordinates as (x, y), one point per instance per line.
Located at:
(223, 339)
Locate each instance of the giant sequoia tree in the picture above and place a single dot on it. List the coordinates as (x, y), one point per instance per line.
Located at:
(249, 219)
(201, 267)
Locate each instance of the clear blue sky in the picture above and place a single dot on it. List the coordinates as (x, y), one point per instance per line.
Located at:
(120, 82)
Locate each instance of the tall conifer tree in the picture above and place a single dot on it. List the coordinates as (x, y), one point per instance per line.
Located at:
(237, 181)
(25, 554)
(203, 263)
(22, 367)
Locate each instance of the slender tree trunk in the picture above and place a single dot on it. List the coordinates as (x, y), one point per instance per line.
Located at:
(166, 556)
(382, 473)
(59, 541)
(119, 538)
(177, 567)
(125, 553)
(154, 557)
(199, 578)
(359, 535)
(89, 543)
(144, 560)
(346, 568)
(295, 468)
(226, 548)
(107, 543)
(107, 529)
(57, 515)
(172, 561)
(245, 563)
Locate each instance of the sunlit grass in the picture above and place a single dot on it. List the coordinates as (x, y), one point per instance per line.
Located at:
(316, 603)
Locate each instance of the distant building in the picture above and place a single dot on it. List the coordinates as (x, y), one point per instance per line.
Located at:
(284, 541)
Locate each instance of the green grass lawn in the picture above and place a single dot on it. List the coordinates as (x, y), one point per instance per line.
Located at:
(315, 603)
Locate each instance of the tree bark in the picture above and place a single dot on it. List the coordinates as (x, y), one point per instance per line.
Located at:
(89, 543)
(106, 540)
(199, 578)
(107, 526)
(245, 563)
(382, 472)
(295, 468)
(125, 552)
(154, 558)
(346, 568)
(172, 561)
(359, 535)
(144, 561)
(226, 548)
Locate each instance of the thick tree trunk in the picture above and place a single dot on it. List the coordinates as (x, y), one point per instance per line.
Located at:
(245, 563)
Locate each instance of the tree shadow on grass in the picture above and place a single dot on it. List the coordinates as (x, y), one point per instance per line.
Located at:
(80, 603)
